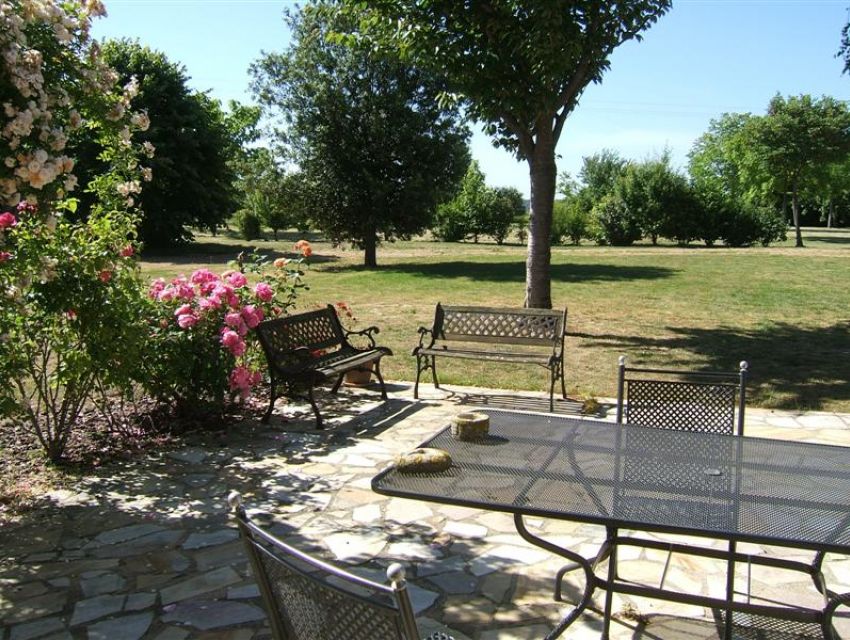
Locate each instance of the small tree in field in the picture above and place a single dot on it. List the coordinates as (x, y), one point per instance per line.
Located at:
(376, 148)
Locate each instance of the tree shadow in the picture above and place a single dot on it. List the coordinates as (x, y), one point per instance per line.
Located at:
(514, 271)
(833, 239)
(791, 367)
(221, 253)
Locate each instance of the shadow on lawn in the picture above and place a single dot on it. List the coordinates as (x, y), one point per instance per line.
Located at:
(514, 271)
(791, 367)
(220, 253)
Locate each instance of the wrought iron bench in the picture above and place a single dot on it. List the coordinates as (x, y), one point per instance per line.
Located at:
(305, 350)
(516, 336)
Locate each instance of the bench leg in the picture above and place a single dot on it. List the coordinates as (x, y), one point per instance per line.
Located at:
(338, 382)
(377, 371)
(272, 398)
(553, 373)
(315, 407)
(434, 372)
(563, 383)
(418, 373)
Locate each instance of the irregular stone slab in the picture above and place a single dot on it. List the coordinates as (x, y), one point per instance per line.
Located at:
(139, 601)
(125, 533)
(201, 540)
(36, 629)
(37, 607)
(413, 551)
(421, 599)
(173, 633)
(407, 511)
(22, 591)
(97, 583)
(455, 583)
(505, 556)
(97, 607)
(126, 627)
(199, 584)
(190, 455)
(206, 615)
(198, 479)
(244, 592)
(214, 557)
(464, 529)
(453, 563)
(154, 542)
(367, 514)
(355, 548)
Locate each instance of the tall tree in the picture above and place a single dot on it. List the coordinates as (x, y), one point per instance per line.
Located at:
(376, 148)
(192, 182)
(519, 67)
(795, 140)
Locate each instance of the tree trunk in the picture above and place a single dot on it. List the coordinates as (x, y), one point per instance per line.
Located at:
(830, 214)
(795, 210)
(542, 170)
(370, 250)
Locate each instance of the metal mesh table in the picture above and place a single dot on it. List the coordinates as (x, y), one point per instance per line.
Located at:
(704, 484)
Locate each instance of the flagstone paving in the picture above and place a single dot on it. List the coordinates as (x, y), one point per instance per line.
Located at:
(149, 550)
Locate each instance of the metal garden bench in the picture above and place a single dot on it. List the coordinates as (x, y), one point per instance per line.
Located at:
(305, 350)
(514, 336)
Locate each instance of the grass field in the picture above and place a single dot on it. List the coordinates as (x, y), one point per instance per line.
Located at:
(785, 310)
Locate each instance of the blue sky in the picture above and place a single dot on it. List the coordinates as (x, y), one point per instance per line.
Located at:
(704, 58)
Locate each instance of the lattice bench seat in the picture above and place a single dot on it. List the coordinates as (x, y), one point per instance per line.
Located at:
(306, 350)
(512, 336)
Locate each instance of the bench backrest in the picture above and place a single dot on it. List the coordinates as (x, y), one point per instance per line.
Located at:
(534, 327)
(319, 329)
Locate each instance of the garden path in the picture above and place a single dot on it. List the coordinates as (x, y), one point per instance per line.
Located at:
(148, 549)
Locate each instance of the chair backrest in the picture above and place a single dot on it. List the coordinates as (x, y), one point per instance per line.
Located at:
(689, 401)
(533, 327)
(307, 599)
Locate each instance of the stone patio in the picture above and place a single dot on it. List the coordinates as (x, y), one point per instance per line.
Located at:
(148, 550)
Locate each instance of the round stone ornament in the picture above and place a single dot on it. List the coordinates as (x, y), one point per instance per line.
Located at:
(470, 425)
(424, 460)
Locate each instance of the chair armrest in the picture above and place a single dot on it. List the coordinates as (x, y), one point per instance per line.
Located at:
(366, 333)
(424, 331)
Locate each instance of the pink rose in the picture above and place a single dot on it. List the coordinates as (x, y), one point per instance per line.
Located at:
(237, 279)
(7, 220)
(127, 251)
(4, 255)
(209, 303)
(263, 291)
(203, 275)
(233, 342)
(252, 315)
(187, 320)
(182, 310)
(233, 319)
(105, 276)
(243, 379)
(156, 288)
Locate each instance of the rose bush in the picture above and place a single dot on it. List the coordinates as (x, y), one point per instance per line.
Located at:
(202, 351)
(70, 291)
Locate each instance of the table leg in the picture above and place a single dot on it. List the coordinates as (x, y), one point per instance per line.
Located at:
(612, 576)
(730, 589)
(590, 579)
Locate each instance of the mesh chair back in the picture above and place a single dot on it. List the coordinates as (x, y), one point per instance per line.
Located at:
(307, 599)
(689, 401)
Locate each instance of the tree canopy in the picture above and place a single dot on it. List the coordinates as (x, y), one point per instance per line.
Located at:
(191, 182)
(518, 67)
(376, 149)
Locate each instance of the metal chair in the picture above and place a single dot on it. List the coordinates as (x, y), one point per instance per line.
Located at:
(307, 599)
(689, 401)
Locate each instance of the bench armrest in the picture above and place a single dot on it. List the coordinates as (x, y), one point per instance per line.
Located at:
(368, 333)
(424, 331)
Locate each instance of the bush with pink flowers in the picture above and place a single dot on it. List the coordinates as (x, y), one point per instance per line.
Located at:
(202, 350)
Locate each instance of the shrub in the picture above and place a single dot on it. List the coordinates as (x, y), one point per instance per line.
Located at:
(570, 220)
(202, 351)
(450, 223)
(249, 223)
(504, 207)
(747, 224)
(616, 225)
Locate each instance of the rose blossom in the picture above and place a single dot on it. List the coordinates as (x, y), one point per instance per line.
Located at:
(233, 342)
(4, 255)
(187, 320)
(105, 276)
(127, 251)
(236, 279)
(252, 315)
(233, 319)
(183, 310)
(263, 291)
(7, 220)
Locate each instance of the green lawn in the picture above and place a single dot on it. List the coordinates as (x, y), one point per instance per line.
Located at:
(785, 310)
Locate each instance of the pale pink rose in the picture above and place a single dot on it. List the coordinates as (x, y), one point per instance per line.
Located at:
(167, 294)
(209, 303)
(203, 275)
(187, 320)
(233, 319)
(4, 255)
(263, 291)
(243, 379)
(233, 342)
(156, 287)
(183, 309)
(185, 291)
(237, 279)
